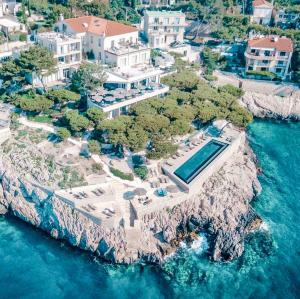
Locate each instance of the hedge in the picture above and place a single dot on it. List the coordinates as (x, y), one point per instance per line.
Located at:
(120, 174)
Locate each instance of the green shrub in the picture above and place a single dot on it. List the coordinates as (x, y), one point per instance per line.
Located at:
(94, 147)
(23, 37)
(235, 91)
(41, 119)
(262, 74)
(141, 172)
(63, 133)
(210, 78)
(96, 168)
(124, 176)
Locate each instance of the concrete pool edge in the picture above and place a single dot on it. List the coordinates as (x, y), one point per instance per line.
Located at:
(206, 163)
(215, 164)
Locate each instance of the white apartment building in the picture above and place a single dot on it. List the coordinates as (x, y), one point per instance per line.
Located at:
(262, 12)
(271, 54)
(130, 76)
(9, 7)
(162, 28)
(67, 51)
(10, 25)
(157, 3)
(106, 41)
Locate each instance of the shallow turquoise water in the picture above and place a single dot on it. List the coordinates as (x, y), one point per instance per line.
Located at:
(35, 266)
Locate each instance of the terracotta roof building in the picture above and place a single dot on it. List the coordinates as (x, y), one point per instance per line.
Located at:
(107, 41)
(257, 3)
(262, 12)
(271, 54)
(98, 26)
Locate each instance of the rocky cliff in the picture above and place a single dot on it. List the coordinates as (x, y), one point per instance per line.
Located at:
(221, 208)
(270, 106)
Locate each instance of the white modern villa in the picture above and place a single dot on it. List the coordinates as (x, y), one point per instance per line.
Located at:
(162, 28)
(67, 51)
(130, 76)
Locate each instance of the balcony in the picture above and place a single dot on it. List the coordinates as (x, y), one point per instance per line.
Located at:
(125, 48)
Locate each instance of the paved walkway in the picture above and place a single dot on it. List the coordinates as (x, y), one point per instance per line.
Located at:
(259, 86)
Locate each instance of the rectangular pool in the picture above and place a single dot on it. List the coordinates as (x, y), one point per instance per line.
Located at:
(200, 160)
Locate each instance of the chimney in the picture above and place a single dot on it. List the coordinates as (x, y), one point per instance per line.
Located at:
(61, 17)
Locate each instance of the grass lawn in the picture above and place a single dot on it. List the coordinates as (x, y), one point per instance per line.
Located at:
(41, 119)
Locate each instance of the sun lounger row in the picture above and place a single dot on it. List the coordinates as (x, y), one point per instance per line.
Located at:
(98, 192)
(108, 212)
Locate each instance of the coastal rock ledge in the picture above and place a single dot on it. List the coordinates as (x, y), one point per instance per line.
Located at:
(271, 106)
(221, 209)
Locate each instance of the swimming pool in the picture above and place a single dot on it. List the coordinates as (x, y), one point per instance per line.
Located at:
(200, 160)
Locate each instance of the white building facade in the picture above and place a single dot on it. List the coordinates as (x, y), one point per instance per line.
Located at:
(262, 12)
(107, 42)
(130, 76)
(9, 7)
(162, 28)
(67, 51)
(270, 54)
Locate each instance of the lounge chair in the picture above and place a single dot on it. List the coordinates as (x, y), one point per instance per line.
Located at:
(112, 210)
(100, 190)
(86, 208)
(168, 163)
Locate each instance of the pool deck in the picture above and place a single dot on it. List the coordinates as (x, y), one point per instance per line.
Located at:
(230, 137)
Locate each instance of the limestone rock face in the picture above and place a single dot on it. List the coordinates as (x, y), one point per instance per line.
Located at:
(221, 209)
(270, 106)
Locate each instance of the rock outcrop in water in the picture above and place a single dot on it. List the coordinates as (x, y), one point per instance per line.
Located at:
(221, 209)
(271, 106)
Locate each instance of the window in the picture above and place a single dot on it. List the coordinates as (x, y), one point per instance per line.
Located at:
(61, 59)
(99, 42)
(166, 21)
(92, 39)
(176, 29)
(64, 28)
(253, 51)
(99, 56)
(165, 28)
(267, 53)
(280, 62)
(282, 53)
(156, 20)
(177, 21)
(264, 69)
(250, 68)
(265, 61)
(134, 59)
(112, 44)
(278, 70)
(155, 28)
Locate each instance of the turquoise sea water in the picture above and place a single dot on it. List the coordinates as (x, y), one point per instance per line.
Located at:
(32, 265)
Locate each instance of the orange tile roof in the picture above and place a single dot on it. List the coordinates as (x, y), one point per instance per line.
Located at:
(261, 3)
(98, 26)
(281, 44)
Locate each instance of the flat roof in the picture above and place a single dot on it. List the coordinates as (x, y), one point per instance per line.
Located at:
(157, 13)
(9, 22)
